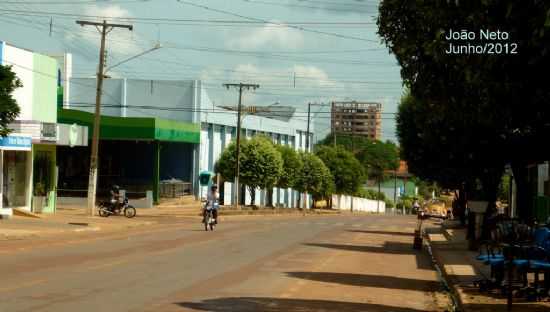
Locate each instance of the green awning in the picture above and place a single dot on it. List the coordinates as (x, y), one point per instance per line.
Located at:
(133, 128)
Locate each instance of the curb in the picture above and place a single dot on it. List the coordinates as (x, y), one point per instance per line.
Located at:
(458, 304)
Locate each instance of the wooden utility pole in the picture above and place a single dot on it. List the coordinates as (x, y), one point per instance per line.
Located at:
(104, 28)
(333, 124)
(240, 86)
(308, 121)
(354, 111)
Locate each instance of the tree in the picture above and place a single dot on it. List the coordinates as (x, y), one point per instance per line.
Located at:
(9, 110)
(349, 175)
(292, 165)
(374, 155)
(261, 165)
(314, 178)
(378, 156)
(475, 111)
(227, 163)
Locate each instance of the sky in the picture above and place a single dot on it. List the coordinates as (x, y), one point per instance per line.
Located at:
(298, 51)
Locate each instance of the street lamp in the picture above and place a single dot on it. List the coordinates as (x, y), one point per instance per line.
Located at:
(156, 47)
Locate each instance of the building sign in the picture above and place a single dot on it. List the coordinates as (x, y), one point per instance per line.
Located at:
(48, 132)
(16, 143)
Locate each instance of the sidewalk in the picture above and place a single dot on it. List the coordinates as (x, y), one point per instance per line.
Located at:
(460, 268)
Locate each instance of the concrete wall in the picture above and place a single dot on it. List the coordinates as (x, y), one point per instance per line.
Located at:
(37, 98)
(83, 91)
(343, 202)
(44, 106)
(173, 100)
(22, 64)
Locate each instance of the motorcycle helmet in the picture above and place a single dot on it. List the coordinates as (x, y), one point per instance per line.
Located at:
(116, 188)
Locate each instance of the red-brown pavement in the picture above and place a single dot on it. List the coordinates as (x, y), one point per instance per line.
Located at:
(253, 263)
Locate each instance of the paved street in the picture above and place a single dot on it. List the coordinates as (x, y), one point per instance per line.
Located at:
(276, 263)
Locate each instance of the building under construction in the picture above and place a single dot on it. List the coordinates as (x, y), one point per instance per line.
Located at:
(357, 118)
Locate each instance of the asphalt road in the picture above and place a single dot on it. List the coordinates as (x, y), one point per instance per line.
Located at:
(274, 263)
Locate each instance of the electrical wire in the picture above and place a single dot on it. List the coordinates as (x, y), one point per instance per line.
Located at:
(300, 28)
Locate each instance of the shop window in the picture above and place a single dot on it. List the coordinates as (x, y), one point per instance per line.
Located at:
(15, 173)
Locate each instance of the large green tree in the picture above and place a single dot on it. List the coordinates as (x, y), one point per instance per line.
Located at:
(479, 110)
(375, 156)
(349, 175)
(378, 156)
(292, 165)
(260, 164)
(314, 178)
(9, 110)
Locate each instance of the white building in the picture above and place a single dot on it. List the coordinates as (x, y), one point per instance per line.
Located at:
(28, 166)
(188, 102)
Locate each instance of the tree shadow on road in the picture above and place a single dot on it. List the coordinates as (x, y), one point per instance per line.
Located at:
(382, 232)
(368, 280)
(397, 248)
(249, 304)
(388, 247)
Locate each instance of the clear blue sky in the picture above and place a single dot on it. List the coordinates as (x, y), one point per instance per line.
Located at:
(330, 46)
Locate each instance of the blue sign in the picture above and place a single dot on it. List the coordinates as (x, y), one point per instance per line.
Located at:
(17, 143)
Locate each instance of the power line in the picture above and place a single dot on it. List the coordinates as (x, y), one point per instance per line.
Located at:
(324, 8)
(69, 2)
(266, 55)
(276, 23)
(175, 21)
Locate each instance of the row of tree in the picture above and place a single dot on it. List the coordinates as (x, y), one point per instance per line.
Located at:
(329, 170)
(265, 165)
(466, 116)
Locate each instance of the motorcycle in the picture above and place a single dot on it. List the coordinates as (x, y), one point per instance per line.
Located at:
(209, 220)
(106, 209)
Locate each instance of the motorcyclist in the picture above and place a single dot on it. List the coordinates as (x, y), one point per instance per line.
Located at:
(212, 203)
(115, 197)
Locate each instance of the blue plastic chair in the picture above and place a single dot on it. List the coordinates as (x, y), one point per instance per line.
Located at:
(539, 255)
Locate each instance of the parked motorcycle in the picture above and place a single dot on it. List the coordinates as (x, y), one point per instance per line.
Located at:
(106, 209)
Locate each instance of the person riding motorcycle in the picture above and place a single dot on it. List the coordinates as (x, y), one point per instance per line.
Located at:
(115, 197)
(211, 202)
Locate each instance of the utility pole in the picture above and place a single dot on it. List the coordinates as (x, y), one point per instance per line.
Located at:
(395, 188)
(333, 124)
(354, 111)
(104, 28)
(240, 86)
(308, 120)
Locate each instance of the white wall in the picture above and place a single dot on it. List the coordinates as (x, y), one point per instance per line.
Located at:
(343, 202)
(22, 64)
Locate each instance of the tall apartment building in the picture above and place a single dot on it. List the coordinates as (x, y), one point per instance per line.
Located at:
(357, 118)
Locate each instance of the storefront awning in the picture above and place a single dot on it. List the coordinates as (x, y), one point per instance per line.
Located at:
(16, 143)
(133, 128)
